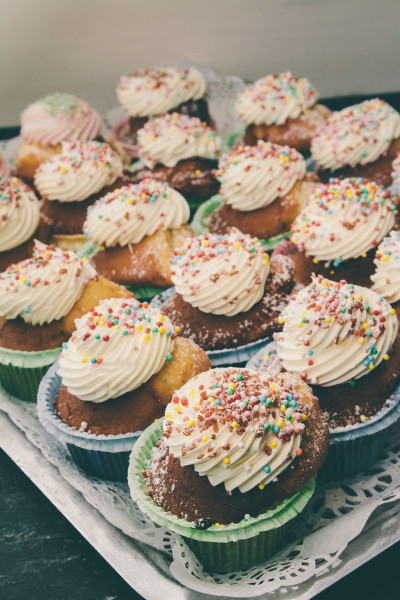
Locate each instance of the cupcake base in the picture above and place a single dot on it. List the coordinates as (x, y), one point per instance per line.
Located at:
(226, 548)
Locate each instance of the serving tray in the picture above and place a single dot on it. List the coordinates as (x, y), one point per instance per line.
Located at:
(363, 512)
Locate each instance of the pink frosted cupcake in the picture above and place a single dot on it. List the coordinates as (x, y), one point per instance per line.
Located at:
(50, 121)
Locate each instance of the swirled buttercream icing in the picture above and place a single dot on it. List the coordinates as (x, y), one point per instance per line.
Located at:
(344, 219)
(82, 169)
(132, 212)
(117, 346)
(4, 167)
(358, 134)
(254, 176)
(151, 92)
(386, 279)
(236, 426)
(19, 213)
(221, 274)
(275, 99)
(335, 332)
(43, 288)
(169, 138)
(59, 117)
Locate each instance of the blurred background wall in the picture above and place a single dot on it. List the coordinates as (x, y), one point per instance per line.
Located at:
(83, 46)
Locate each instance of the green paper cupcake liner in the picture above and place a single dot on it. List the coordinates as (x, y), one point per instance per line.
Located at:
(199, 226)
(21, 372)
(226, 548)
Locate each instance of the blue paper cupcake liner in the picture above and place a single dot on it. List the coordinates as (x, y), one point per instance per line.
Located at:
(354, 448)
(104, 456)
(226, 356)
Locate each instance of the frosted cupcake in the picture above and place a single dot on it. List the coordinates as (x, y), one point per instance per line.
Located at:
(360, 140)
(19, 220)
(264, 187)
(150, 92)
(137, 228)
(182, 151)
(336, 235)
(386, 278)
(39, 300)
(235, 445)
(116, 374)
(4, 167)
(343, 340)
(70, 182)
(50, 121)
(227, 292)
(282, 109)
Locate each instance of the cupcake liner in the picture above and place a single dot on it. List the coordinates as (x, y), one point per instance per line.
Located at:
(105, 456)
(226, 548)
(21, 372)
(199, 226)
(354, 448)
(141, 292)
(225, 356)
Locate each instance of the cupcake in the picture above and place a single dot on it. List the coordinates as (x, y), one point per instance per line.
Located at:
(19, 220)
(343, 340)
(150, 92)
(337, 234)
(182, 151)
(386, 278)
(4, 167)
(360, 140)
(48, 122)
(39, 300)
(264, 187)
(281, 109)
(73, 180)
(116, 374)
(137, 228)
(235, 447)
(227, 292)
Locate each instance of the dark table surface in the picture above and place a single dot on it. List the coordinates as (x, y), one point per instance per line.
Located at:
(43, 557)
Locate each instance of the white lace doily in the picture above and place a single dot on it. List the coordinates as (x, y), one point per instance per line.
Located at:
(336, 515)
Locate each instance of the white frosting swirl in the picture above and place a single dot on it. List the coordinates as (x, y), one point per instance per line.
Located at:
(82, 169)
(127, 215)
(154, 91)
(275, 99)
(44, 288)
(117, 346)
(335, 332)
(59, 117)
(358, 134)
(221, 274)
(386, 279)
(254, 176)
(19, 213)
(345, 219)
(236, 426)
(173, 137)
